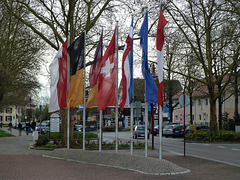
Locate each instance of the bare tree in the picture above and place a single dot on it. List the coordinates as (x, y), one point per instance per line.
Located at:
(18, 66)
(198, 22)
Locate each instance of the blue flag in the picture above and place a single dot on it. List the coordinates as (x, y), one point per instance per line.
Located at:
(151, 91)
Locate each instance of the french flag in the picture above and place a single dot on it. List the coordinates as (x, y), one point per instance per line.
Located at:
(160, 42)
(127, 71)
(58, 75)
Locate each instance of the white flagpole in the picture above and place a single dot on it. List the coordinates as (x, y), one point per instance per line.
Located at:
(160, 131)
(116, 107)
(84, 95)
(68, 123)
(68, 110)
(146, 124)
(100, 132)
(160, 118)
(146, 117)
(131, 134)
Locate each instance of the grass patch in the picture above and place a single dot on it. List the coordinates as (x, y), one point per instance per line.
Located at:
(4, 134)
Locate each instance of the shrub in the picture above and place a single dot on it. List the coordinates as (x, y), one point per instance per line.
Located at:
(87, 135)
(217, 136)
(42, 141)
(112, 129)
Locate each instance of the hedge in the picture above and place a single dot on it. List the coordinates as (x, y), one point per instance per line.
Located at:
(217, 136)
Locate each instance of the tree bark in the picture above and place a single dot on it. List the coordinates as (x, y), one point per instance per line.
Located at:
(213, 117)
(220, 112)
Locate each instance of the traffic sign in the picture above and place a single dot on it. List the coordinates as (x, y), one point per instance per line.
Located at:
(181, 100)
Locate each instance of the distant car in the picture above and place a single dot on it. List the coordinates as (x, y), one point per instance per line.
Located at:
(156, 130)
(78, 127)
(44, 127)
(169, 123)
(168, 130)
(197, 127)
(139, 131)
(178, 130)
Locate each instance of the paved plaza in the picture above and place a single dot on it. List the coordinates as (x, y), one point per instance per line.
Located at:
(19, 161)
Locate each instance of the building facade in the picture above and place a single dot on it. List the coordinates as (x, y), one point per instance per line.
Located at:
(15, 114)
(201, 109)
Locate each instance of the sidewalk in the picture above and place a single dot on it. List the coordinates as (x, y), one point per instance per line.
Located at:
(17, 161)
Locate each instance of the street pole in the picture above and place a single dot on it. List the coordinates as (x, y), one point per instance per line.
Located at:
(40, 118)
(184, 124)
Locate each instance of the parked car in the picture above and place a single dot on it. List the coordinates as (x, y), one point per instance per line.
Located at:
(139, 131)
(43, 127)
(156, 130)
(169, 123)
(168, 130)
(178, 130)
(197, 127)
(78, 127)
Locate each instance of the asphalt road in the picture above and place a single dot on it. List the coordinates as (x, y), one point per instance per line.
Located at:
(228, 153)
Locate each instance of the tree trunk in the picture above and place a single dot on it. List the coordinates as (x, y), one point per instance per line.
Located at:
(236, 114)
(63, 115)
(191, 111)
(170, 110)
(220, 112)
(213, 117)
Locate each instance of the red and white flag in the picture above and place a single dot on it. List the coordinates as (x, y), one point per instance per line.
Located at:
(107, 77)
(160, 41)
(127, 71)
(58, 75)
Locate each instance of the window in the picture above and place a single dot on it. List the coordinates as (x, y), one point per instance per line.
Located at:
(1, 118)
(200, 117)
(8, 110)
(199, 102)
(181, 118)
(207, 102)
(193, 102)
(8, 118)
(176, 117)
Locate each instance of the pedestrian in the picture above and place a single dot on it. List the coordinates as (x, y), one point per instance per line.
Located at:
(1, 124)
(19, 128)
(10, 127)
(27, 127)
(33, 126)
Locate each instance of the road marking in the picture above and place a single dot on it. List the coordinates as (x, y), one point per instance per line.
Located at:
(234, 149)
(206, 144)
(221, 147)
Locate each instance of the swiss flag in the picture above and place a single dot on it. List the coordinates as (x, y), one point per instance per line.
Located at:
(107, 78)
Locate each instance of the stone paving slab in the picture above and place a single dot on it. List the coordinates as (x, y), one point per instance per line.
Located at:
(144, 165)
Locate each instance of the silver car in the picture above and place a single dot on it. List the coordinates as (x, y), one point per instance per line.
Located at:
(168, 130)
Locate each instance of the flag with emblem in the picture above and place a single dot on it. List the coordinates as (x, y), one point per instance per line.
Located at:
(107, 77)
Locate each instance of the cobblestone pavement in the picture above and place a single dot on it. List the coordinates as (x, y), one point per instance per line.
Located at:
(17, 161)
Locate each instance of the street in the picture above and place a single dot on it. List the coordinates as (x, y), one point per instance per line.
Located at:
(228, 153)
